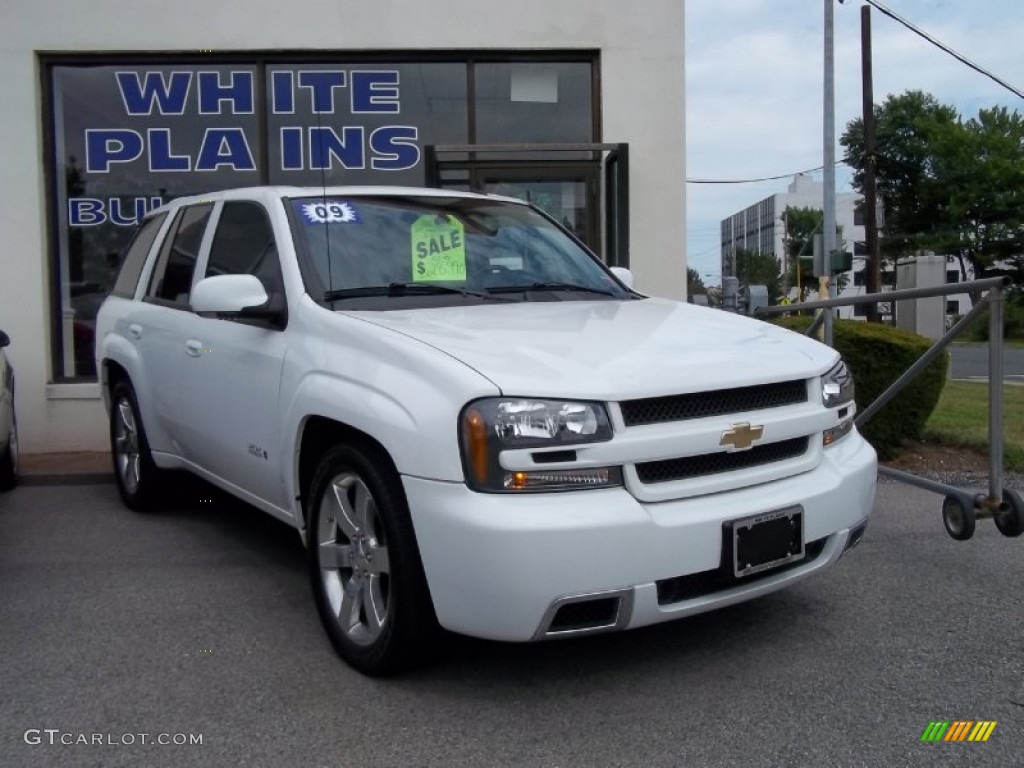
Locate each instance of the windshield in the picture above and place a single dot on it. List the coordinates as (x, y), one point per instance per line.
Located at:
(389, 247)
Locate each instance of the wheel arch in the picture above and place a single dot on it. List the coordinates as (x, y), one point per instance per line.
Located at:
(318, 435)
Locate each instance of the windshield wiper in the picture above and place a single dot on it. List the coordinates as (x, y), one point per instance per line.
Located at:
(549, 286)
(405, 289)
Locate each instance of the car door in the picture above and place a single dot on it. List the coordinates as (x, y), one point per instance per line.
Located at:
(233, 372)
(159, 326)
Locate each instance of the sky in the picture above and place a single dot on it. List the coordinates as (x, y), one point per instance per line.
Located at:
(754, 88)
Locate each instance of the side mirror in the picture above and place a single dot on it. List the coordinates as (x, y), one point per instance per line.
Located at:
(624, 275)
(230, 295)
(4, 339)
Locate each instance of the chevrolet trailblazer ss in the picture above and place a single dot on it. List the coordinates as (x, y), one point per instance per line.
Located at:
(472, 422)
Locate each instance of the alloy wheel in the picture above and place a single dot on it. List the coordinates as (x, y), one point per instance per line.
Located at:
(355, 569)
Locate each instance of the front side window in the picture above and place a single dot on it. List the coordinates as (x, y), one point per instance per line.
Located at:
(171, 280)
(401, 247)
(244, 245)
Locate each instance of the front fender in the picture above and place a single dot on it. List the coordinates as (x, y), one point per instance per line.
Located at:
(414, 419)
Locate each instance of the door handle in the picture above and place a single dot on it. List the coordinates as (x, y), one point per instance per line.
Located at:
(135, 331)
(194, 347)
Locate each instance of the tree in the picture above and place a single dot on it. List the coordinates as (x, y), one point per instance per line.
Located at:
(754, 268)
(802, 224)
(948, 185)
(694, 284)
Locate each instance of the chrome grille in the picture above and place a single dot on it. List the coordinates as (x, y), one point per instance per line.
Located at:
(697, 405)
(685, 467)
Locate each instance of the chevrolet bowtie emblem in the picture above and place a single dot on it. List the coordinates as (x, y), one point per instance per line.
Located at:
(742, 436)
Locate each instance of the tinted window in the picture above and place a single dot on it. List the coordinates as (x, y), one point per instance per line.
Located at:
(135, 257)
(244, 245)
(360, 243)
(172, 277)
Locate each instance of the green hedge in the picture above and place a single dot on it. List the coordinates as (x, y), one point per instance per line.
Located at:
(878, 355)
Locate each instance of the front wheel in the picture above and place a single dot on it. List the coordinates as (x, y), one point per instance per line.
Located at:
(365, 567)
(138, 478)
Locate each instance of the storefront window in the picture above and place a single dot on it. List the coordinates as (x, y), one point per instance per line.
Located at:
(362, 124)
(130, 136)
(127, 139)
(534, 102)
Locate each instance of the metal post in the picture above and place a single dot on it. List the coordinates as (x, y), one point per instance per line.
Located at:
(995, 394)
(829, 162)
(874, 265)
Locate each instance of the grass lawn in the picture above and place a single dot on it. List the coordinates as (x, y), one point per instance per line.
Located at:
(961, 419)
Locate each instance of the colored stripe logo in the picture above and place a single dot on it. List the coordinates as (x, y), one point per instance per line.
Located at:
(958, 730)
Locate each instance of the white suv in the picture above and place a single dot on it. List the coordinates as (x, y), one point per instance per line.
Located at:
(470, 420)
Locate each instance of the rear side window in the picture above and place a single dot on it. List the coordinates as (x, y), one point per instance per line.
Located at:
(135, 256)
(172, 277)
(244, 245)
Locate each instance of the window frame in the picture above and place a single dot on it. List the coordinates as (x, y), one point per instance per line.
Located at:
(167, 243)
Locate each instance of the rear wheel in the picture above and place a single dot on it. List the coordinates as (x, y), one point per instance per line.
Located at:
(138, 478)
(9, 458)
(365, 567)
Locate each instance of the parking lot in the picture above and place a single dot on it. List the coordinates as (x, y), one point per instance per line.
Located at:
(199, 620)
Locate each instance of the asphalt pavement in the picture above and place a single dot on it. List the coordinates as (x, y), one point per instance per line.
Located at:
(198, 621)
(970, 361)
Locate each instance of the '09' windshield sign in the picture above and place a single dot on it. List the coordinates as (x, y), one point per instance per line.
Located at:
(326, 211)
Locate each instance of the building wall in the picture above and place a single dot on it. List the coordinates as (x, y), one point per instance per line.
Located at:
(641, 54)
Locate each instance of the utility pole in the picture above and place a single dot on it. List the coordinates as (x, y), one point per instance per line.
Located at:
(823, 268)
(874, 265)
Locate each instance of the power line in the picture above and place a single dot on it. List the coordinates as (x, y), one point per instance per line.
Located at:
(751, 181)
(939, 44)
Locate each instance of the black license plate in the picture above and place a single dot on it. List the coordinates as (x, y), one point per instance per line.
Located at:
(766, 541)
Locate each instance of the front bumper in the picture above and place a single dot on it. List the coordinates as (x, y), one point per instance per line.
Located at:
(498, 566)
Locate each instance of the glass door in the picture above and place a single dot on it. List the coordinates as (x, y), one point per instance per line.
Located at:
(569, 197)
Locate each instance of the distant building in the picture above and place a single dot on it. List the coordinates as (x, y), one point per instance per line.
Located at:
(761, 228)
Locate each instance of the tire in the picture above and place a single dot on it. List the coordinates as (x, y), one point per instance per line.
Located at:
(365, 568)
(9, 458)
(139, 480)
(1011, 522)
(959, 520)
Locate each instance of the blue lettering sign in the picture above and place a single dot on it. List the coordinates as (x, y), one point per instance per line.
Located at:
(238, 92)
(118, 218)
(85, 212)
(322, 85)
(106, 146)
(395, 148)
(160, 157)
(91, 211)
(283, 90)
(225, 146)
(375, 92)
(325, 145)
(291, 149)
(168, 95)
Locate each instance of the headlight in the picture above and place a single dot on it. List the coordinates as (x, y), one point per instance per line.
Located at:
(488, 427)
(837, 386)
(836, 391)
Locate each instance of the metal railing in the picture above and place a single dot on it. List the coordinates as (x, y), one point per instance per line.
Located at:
(961, 507)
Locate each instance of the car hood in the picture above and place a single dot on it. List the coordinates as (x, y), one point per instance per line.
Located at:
(610, 350)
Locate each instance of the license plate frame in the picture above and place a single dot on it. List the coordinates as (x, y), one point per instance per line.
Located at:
(765, 541)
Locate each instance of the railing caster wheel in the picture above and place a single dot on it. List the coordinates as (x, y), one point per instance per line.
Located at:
(958, 518)
(1010, 522)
